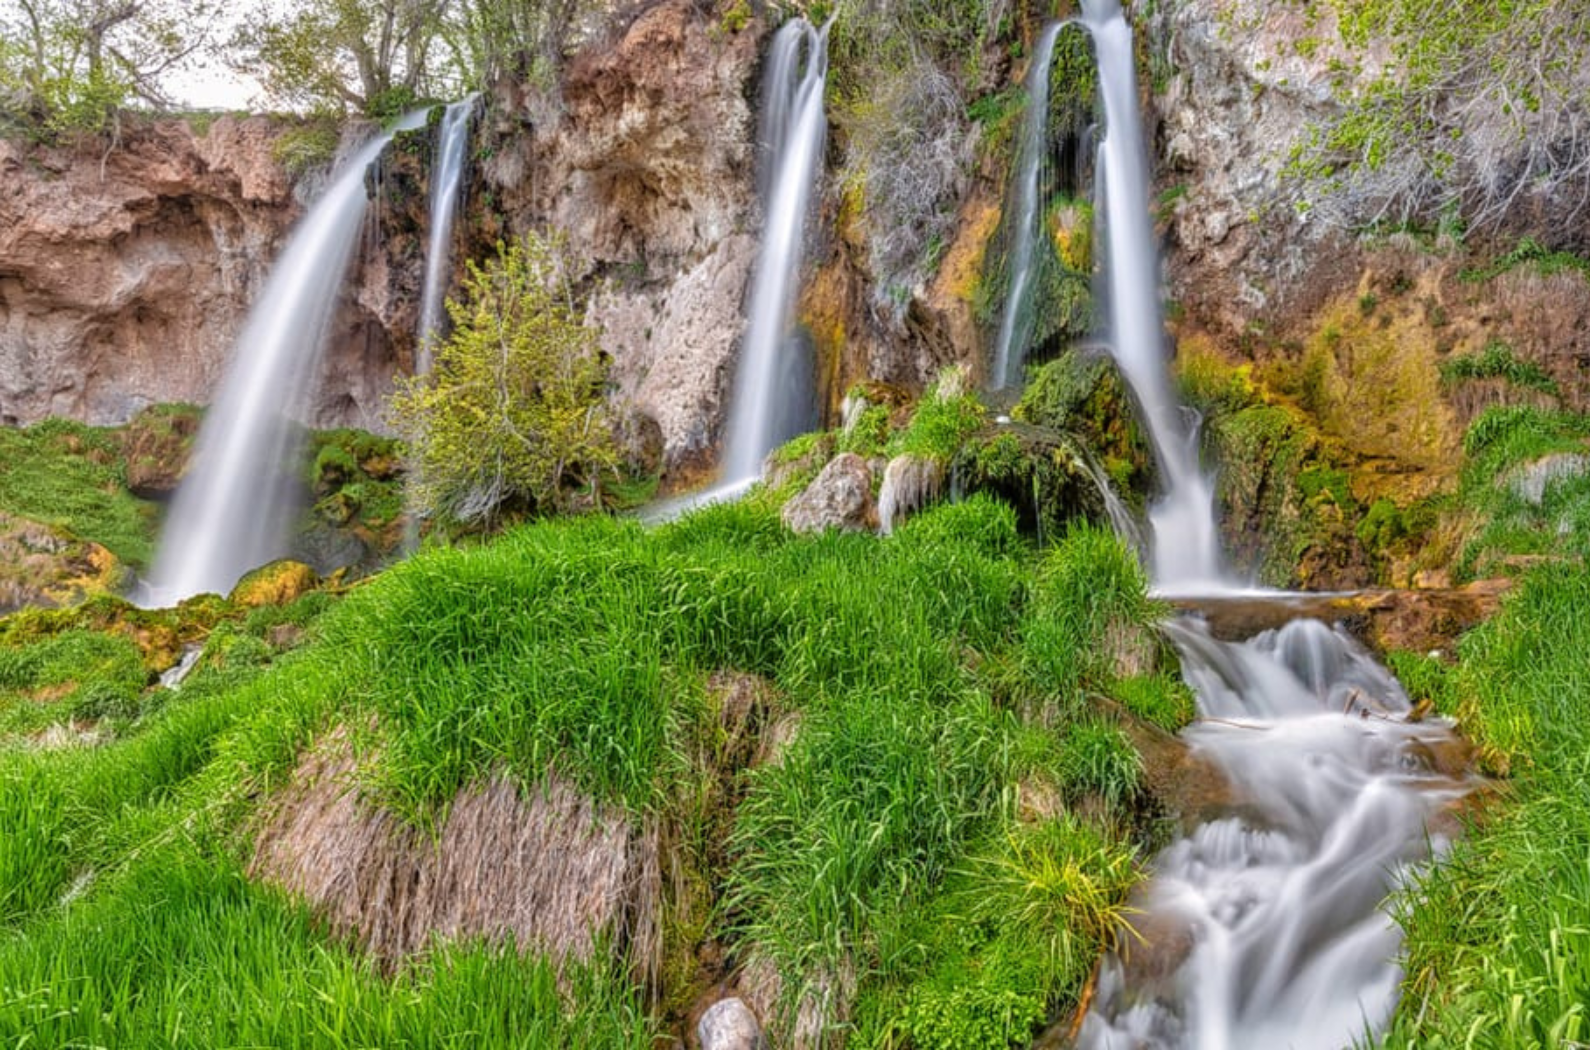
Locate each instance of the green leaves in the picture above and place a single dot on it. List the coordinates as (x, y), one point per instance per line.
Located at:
(513, 410)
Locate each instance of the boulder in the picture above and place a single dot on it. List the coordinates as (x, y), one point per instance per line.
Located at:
(839, 498)
(729, 1024)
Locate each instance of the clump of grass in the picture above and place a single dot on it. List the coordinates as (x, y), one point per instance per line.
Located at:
(1496, 361)
(1499, 932)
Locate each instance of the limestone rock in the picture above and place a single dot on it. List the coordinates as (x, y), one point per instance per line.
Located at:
(839, 498)
(729, 1024)
(673, 348)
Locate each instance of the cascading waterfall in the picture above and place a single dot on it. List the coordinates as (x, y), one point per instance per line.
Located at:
(792, 136)
(447, 180)
(1186, 549)
(1266, 926)
(233, 507)
(1016, 323)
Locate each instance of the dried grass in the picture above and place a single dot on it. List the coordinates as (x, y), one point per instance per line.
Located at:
(547, 870)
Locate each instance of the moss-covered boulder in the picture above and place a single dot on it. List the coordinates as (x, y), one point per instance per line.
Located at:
(1081, 393)
(1042, 472)
(278, 583)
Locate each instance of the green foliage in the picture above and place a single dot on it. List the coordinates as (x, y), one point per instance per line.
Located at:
(944, 419)
(1530, 252)
(70, 66)
(1096, 759)
(310, 145)
(513, 410)
(582, 645)
(1496, 361)
(1503, 445)
(1497, 933)
(1474, 102)
(70, 475)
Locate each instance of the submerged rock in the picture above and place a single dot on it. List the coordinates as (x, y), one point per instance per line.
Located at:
(839, 498)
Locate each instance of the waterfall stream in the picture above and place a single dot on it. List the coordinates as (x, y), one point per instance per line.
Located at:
(232, 510)
(793, 130)
(1016, 323)
(447, 180)
(1186, 548)
(1264, 926)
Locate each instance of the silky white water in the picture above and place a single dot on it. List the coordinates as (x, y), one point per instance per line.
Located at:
(793, 130)
(1016, 322)
(1266, 927)
(1185, 557)
(233, 508)
(447, 180)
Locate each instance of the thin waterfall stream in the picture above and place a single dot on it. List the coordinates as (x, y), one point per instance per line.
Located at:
(232, 510)
(1266, 924)
(1016, 322)
(794, 129)
(447, 181)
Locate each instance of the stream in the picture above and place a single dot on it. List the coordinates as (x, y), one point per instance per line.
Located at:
(1265, 925)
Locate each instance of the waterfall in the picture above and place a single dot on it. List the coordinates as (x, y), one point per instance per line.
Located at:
(793, 129)
(1265, 926)
(447, 180)
(1186, 549)
(235, 504)
(1016, 324)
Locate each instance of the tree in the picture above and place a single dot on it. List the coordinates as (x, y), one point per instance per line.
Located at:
(513, 410)
(73, 64)
(372, 56)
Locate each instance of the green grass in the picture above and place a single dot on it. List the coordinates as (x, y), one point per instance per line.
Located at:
(70, 475)
(1499, 445)
(913, 667)
(1499, 934)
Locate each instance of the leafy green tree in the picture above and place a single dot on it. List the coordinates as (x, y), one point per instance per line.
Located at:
(513, 410)
(69, 65)
(370, 56)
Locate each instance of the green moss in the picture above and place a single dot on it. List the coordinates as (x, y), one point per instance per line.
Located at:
(72, 476)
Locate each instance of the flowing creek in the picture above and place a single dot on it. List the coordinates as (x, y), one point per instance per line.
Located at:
(1265, 926)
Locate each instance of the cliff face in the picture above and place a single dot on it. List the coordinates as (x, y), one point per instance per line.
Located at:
(126, 273)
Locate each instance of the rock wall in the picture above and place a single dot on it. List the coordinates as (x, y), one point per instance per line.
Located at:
(125, 274)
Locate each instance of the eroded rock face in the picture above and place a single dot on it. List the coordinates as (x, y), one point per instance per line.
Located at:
(126, 274)
(648, 171)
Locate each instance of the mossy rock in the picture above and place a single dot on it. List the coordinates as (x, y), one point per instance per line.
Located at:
(1081, 393)
(1037, 470)
(157, 446)
(277, 583)
(45, 565)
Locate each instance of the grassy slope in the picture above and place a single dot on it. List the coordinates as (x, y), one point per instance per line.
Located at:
(70, 475)
(1499, 935)
(934, 674)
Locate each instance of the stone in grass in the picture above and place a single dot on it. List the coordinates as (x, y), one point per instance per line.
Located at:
(840, 497)
(728, 1024)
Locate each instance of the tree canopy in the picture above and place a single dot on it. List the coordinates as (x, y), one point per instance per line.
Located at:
(71, 64)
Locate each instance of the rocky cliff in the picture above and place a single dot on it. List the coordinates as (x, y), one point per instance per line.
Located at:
(125, 273)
